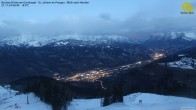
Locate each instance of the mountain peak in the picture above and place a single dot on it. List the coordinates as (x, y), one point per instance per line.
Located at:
(39, 40)
(174, 35)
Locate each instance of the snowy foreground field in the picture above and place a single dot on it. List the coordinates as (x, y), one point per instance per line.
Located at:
(10, 101)
(131, 102)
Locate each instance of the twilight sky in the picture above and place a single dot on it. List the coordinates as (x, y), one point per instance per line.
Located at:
(132, 18)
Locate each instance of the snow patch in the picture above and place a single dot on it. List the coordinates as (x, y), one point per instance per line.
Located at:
(190, 36)
(12, 100)
(184, 63)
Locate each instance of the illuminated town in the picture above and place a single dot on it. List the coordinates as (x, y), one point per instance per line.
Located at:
(95, 75)
(90, 76)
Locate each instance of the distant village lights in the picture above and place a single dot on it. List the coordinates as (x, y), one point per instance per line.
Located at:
(91, 76)
(158, 56)
(95, 75)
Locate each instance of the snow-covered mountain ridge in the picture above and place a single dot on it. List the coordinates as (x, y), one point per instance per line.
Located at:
(174, 35)
(38, 40)
(171, 42)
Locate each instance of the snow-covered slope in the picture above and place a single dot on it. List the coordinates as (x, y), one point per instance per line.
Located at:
(184, 63)
(131, 102)
(39, 40)
(11, 100)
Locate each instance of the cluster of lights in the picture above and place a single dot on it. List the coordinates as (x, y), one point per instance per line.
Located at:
(95, 75)
(158, 56)
(57, 76)
(90, 76)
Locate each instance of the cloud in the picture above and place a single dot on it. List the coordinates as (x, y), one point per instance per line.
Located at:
(128, 18)
(105, 16)
(137, 25)
(143, 24)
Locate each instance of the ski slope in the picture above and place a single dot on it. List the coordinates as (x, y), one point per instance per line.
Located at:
(131, 102)
(9, 100)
